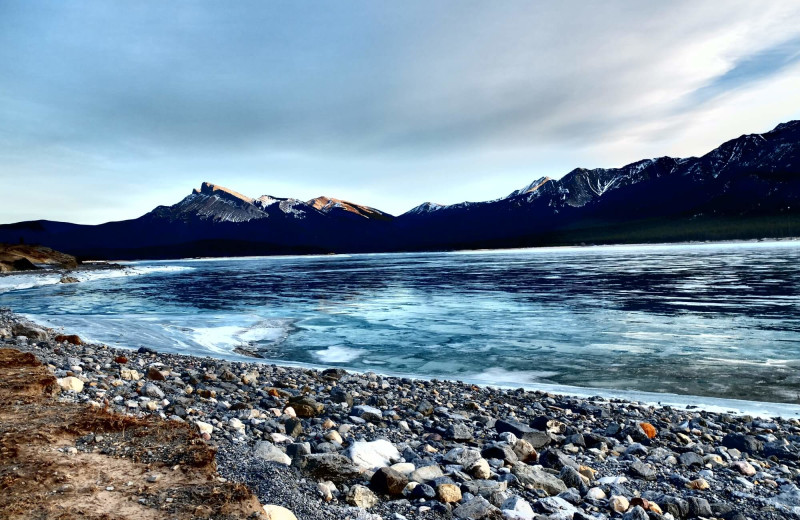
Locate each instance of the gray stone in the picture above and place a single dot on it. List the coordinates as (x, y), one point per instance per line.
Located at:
(426, 474)
(556, 508)
(483, 488)
(29, 331)
(500, 451)
(298, 449)
(699, 507)
(643, 470)
(423, 491)
(366, 412)
(635, 513)
(571, 477)
(510, 425)
(676, 506)
(459, 432)
(463, 456)
(552, 458)
(329, 466)
(269, 452)
(476, 509)
(537, 478)
(153, 391)
(340, 395)
(743, 443)
(690, 459)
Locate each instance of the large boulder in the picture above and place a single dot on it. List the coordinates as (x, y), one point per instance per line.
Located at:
(267, 451)
(466, 457)
(388, 481)
(372, 455)
(426, 474)
(744, 443)
(306, 406)
(29, 331)
(329, 466)
(537, 478)
(368, 413)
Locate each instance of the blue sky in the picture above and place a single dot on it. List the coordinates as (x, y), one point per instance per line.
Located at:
(108, 109)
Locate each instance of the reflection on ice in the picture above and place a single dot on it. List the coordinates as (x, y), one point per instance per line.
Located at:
(715, 320)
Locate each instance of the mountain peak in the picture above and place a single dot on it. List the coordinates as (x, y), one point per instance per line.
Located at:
(208, 188)
(788, 125)
(327, 205)
(535, 185)
(425, 207)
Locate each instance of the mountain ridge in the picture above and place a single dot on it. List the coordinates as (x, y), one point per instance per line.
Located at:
(748, 187)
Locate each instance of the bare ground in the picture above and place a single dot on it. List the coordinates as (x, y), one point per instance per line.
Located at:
(63, 460)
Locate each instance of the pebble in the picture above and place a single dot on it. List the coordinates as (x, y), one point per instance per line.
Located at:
(618, 503)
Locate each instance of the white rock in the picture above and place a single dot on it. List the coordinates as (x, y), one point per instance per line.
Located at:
(508, 437)
(563, 509)
(372, 455)
(596, 493)
(406, 468)
(618, 503)
(613, 480)
(274, 512)
(326, 489)
(268, 451)
(204, 427)
(279, 438)
(334, 436)
(236, 424)
(744, 467)
(480, 469)
(517, 508)
(71, 384)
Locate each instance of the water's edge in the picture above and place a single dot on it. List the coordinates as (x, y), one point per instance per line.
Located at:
(709, 404)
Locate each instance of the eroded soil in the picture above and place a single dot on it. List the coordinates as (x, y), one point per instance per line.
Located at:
(64, 460)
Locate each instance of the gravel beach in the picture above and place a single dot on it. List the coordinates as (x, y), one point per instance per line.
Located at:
(328, 444)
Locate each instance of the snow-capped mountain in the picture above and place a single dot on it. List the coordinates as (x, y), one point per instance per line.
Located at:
(749, 187)
(215, 203)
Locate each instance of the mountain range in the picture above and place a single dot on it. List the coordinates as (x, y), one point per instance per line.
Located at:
(748, 187)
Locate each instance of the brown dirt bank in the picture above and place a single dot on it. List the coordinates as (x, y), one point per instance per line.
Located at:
(64, 460)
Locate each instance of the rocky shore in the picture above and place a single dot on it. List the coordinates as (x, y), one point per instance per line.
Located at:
(331, 444)
(21, 257)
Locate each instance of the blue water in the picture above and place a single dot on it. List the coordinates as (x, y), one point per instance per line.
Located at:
(719, 320)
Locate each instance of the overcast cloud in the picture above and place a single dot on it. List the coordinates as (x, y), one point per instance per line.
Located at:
(110, 108)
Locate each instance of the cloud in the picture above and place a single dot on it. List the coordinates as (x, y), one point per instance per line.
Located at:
(374, 100)
(751, 68)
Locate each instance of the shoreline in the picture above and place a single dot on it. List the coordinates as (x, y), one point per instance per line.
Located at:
(763, 409)
(327, 437)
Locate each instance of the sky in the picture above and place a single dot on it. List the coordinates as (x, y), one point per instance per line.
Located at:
(110, 108)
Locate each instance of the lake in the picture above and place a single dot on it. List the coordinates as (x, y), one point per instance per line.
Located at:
(712, 320)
